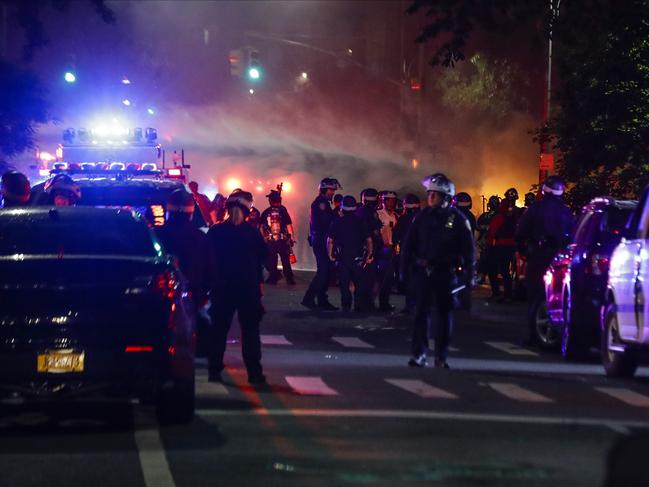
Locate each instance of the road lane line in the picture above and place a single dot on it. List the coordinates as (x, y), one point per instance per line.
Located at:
(427, 415)
(512, 349)
(352, 342)
(627, 396)
(274, 340)
(518, 393)
(310, 386)
(421, 389)
(153, 460)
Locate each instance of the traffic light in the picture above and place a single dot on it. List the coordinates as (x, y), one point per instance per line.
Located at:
(254, 68)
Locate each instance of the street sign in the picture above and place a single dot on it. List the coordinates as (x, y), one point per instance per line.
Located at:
(546, 162)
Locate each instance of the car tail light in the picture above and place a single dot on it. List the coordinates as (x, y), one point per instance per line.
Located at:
(599, 264)
(138, 348)
(166, 283)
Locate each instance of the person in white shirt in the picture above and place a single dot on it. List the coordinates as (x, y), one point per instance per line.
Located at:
(385, 256)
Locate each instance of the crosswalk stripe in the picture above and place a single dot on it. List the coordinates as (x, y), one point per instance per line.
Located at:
(627, 396)
(352, 342)
(274, 340)
(310, 386)
(512, 349)
(516, 392)
(421, 389)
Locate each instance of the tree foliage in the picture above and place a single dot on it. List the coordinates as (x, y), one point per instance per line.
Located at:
(24, 105)
(487, 90)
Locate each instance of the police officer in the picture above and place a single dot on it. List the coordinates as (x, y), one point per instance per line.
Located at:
(277, 228)
(502, 246)
(349, 245)
(440, 246)
(385, 254)
(15, 189)
(543, 229)
(411, 207)
(62, 191)
(238, 252)
(530, 198)
(464, 203)
(367, 212)
(321, 216)
(188, 244)
(486, 261)
(511, 195)
(203, 202)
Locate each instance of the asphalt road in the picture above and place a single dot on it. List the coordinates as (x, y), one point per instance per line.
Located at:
(344, 409)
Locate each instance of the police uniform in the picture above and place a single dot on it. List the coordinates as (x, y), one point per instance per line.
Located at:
(349, 236)
(368, 215)
(275, 221)
(239, 253)
(321, 217)
(401, 229)
(441, 248)
(543, 229)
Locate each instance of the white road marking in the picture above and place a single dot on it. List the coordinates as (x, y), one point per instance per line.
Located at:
(352, 342)
(274, 340)
(627, 396)
(512, 349)
(153, 460)
(518, 393)
(421, 389)
(427, 415)
(310, 386)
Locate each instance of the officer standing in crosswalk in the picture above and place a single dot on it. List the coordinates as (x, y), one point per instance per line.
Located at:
(322, 214)
(440, 247)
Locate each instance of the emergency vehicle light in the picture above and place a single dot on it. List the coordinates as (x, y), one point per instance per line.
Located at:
(149, 166)
(117, 166)
(174, 172)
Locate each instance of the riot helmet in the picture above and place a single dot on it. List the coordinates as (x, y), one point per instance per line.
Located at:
(349, 203)
(554, 185)
(369, 196)
(338, 199)
(63, 190)
(494, 203)
(180, 201)
(388, 200)
(411, 201)
(15, 188)
(530, 198)
(463, 200)
(330, 183)
(240, 199)
(511, 194)
(439, 183)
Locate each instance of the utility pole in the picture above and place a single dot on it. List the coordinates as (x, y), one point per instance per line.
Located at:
(546, 158)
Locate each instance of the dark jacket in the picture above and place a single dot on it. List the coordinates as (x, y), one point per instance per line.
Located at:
(180, 238)
(321, 216)
(440, 238)
(238, 254)
(548, 223)
(370, 218)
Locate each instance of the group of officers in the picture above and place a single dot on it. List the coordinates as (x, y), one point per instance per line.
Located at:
(432, 250)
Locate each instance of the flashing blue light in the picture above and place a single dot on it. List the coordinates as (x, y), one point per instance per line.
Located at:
(150, 111)
(69, 77)
(254, 73)
(126, 102)
(126, 81)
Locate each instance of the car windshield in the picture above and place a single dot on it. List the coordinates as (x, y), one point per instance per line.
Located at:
(46, 237)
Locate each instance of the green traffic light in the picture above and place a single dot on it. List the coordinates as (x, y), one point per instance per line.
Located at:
(254, 73)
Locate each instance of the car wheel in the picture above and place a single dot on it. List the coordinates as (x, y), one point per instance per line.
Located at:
(546, 334)
(176, 405)
(617, 361)
(573, 345)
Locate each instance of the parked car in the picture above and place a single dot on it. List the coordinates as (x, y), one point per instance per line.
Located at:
(575, 282)
(625, 318)
(92, 313)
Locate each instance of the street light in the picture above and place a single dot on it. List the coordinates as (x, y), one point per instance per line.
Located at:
(150, 111)
(126, 102)
(305, 75)
(253, 73)
(69, 77)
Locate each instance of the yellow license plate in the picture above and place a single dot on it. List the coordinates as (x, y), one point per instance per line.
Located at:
(60, 362)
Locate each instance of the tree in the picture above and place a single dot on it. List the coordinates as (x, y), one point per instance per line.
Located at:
(24, 105)
(485, 91)
(23, 100)
(600, 125)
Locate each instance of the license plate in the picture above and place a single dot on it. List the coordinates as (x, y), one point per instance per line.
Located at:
(60, 362)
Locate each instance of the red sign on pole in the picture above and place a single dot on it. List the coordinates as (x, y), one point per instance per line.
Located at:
(546, 162)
